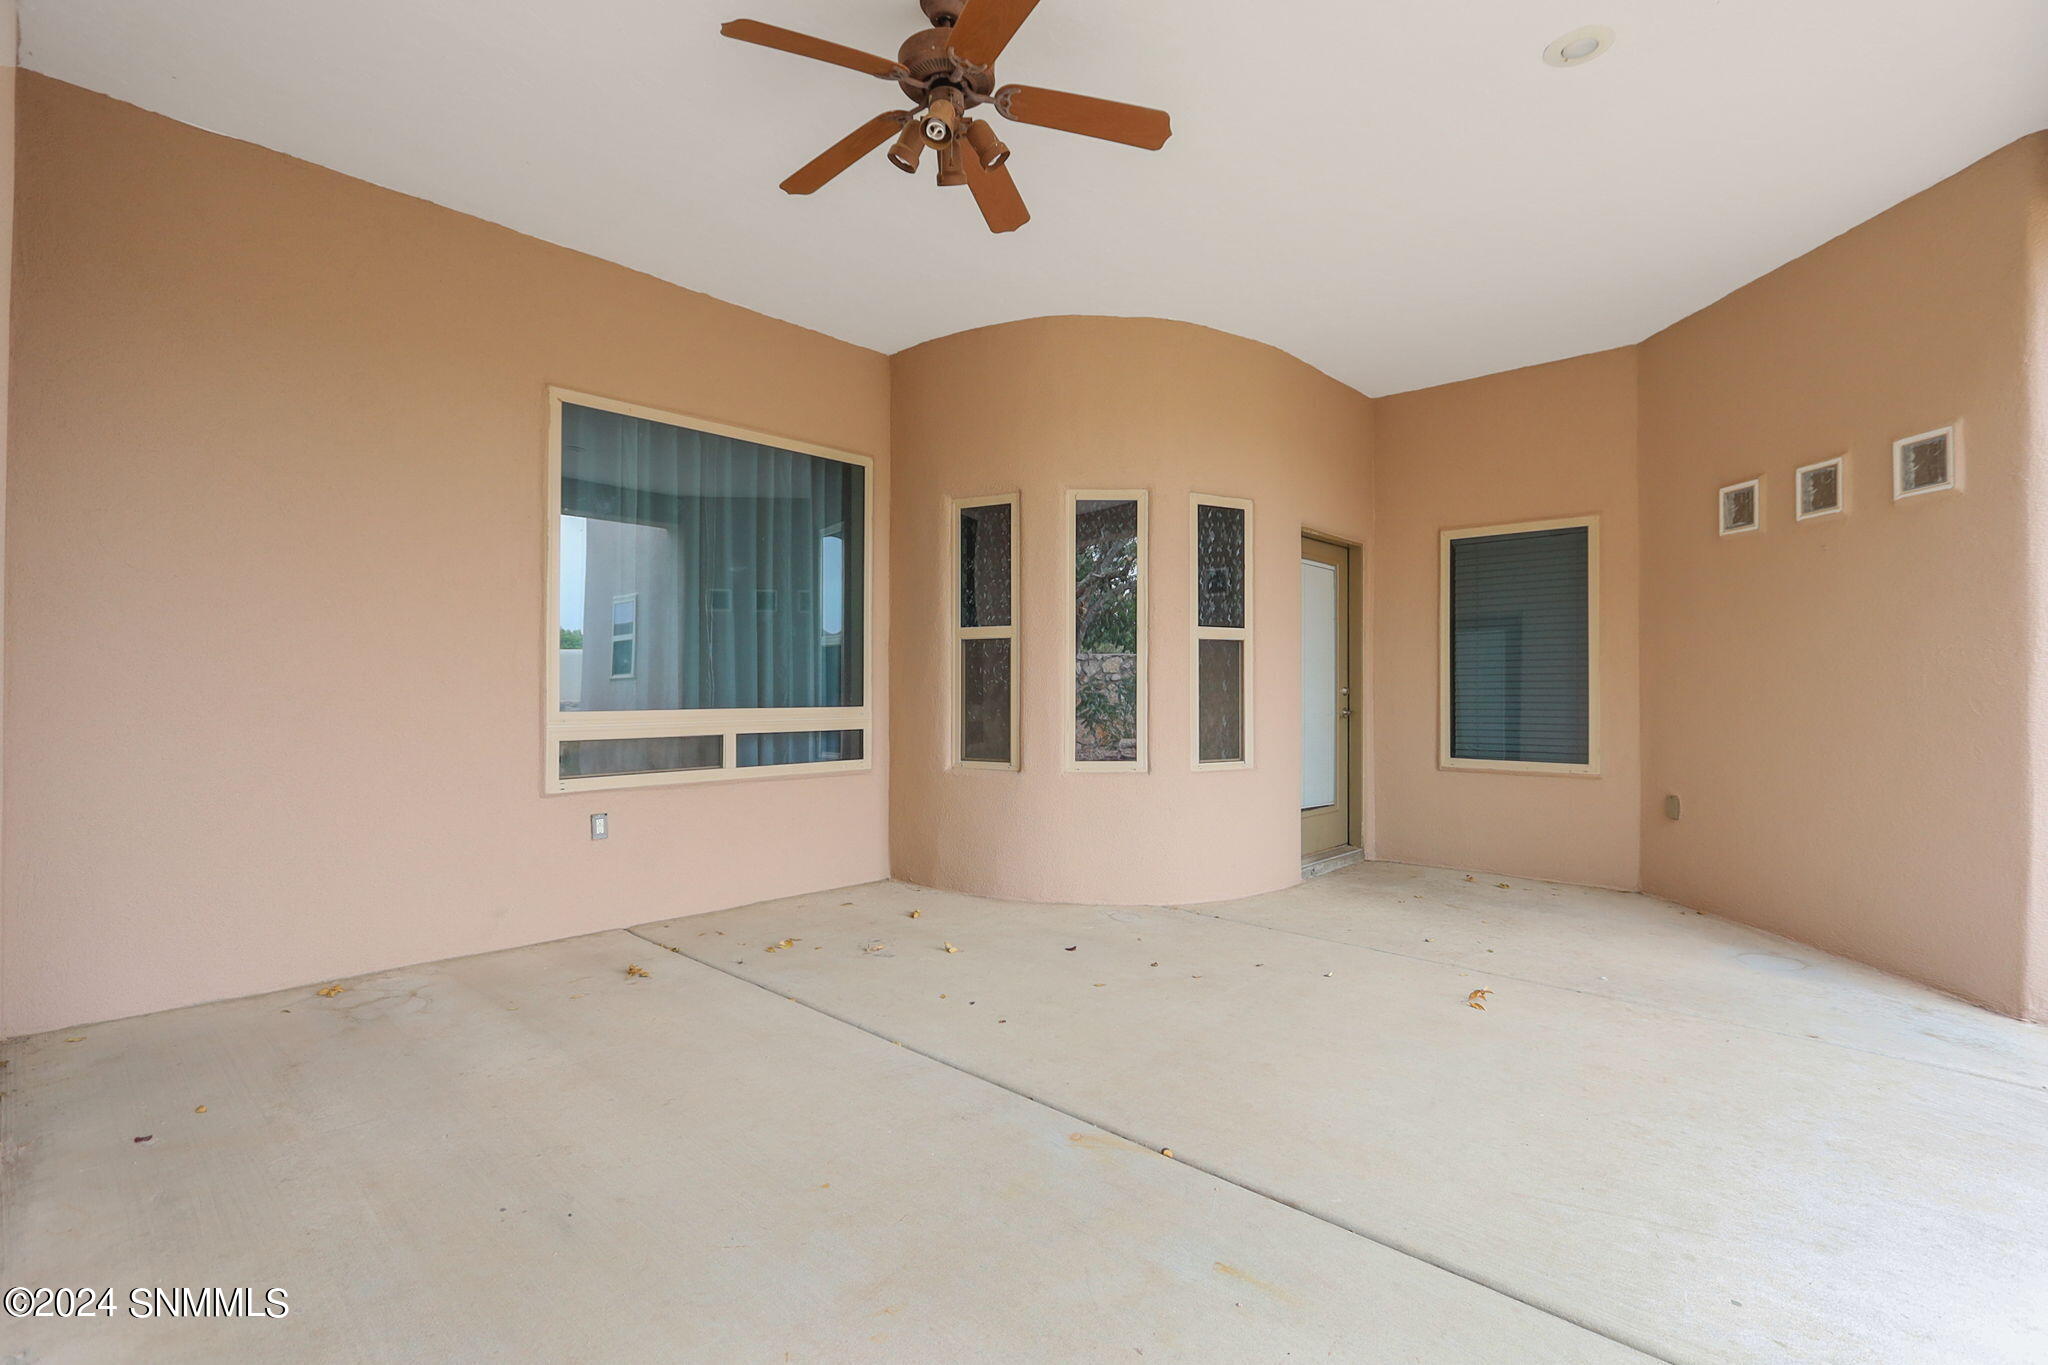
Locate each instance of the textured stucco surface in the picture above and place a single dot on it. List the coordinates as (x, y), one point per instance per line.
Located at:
(276, 550)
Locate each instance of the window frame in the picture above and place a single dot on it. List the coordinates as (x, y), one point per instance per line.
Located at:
(1840, 464)
(1198, 632)
(1954, 432)
(1445, 761)
(632, 636)
(1756, 503)
(1072, 501)
(558, 725)
(957, 634)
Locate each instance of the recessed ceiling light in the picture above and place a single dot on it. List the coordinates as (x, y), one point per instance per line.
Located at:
(1579, 46)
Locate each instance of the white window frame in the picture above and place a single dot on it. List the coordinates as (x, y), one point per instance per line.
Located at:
(559, 726)
(1756, 502)
(632, 636)
(956, 689)
(1954, 433)
(1444, 760)
(1074, 498)
(1840, 463)
(1200, 632)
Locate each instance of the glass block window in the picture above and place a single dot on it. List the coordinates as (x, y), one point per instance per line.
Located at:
(1106, 540)
(984, 644)
(709, 596)
(1742, 507)
(1927, 463)
(1222, 530)
(1820, 489)
(1519, 649)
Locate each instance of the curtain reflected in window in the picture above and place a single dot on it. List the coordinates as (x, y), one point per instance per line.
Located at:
(718, 573)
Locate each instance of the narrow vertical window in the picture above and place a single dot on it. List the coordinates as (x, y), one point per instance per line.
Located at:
(625, 635)
(1222, 531)
(1521, 642)
(1106, 539)
(984, 664)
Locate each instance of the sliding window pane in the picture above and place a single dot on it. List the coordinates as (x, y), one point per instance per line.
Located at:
(985, 701)
(719, 573)
(809, 746)
(1220, 688)
(621, 757)
(1106, 572)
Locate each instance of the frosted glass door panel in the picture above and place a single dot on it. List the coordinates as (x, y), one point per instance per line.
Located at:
(1318, 685)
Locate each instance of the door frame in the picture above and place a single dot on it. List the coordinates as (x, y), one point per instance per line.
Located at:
(1357, 750)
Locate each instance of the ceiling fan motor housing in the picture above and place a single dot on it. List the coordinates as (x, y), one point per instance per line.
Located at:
(929, 59)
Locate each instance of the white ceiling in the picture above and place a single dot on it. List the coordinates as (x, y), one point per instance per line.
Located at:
(1399, 192)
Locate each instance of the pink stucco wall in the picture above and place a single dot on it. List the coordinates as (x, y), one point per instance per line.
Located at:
(275, 551)
(1056, 403)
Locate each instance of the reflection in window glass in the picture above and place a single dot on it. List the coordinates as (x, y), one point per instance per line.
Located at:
(625, 625)
(619, 757)
(1219, 552)
(984, 642)
(1520, 666)
(985, 701)
(832, 585)
(809, 746)
(665, 530)
(1106, 629)
(985, 565)
(1220, 700)
(1223, 636)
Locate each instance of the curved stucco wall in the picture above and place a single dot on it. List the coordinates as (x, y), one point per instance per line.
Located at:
(1052, 404)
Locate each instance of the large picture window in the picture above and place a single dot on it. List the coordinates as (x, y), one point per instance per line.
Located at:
(985, 632)
(1106, 542)
(1521, 640)
(722, 580)
(1222, 671)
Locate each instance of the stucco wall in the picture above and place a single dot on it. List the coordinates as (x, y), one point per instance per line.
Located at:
(275, 567)
(1844, 704)
(1550, 441)
(1042, 406)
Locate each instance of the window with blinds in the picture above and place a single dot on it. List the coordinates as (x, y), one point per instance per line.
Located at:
(1520, 636)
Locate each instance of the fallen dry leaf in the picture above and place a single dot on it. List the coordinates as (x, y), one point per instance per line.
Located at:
(778, 947)
(145, 1137)
(915, 913)
(1166, 1151)
(200, 1110)
(331, 991)
(1503, 886)
(873, 945)
(632, 969)
(1477, 996)
(951, 949)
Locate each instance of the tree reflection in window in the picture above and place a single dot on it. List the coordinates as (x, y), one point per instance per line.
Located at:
(1106, 572)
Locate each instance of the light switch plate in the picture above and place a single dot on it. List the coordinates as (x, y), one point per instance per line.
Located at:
(600, 825)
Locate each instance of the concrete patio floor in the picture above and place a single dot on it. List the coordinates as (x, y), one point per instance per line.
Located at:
(1664, 1137)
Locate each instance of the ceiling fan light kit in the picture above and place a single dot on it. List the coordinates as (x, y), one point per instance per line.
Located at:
(947, 70)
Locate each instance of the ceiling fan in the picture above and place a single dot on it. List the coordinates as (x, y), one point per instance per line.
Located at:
(947, 70)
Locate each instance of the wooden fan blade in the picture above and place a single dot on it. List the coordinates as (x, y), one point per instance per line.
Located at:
(845, 152)
(985, 28)
(1086, 115)
(804, 45)
(996, 194)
